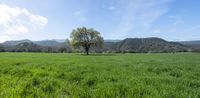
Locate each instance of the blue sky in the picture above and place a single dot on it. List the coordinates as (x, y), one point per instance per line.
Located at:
(116, 19)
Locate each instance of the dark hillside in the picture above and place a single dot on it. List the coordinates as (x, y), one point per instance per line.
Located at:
(145, 45)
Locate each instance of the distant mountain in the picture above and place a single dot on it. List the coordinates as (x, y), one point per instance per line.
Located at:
(193, 46)
(34, 46)
(14, 43)
(27, 47)
(147, 45)
(190, 42)
(59, 40)
(112, 40)
(49, 43)
(133, 45)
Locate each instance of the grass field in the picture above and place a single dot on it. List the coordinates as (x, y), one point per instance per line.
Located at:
(100, 76)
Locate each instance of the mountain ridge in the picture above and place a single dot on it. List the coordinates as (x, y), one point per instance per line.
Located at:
(143, 45)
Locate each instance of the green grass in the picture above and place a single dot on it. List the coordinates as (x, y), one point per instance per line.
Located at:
(100, 76)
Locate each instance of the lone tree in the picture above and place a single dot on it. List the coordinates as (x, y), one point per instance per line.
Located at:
(86, 38)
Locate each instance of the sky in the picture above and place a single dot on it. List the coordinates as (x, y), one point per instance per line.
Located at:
(172, 20)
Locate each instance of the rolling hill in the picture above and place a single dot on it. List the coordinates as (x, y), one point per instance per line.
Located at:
(14, 43)
(145, 45)
(131, 45)
(34, 46)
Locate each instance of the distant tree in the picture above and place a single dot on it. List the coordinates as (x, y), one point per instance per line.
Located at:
(49, 49)
(67, 42)
(1, 49)
(86, 38)
(62, 50)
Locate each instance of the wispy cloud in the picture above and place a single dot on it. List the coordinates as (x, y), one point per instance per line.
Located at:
(156, 31)
(176, 19)
(4, 38)
(112, 7)
(139, 15)
(80, 15)
(77, 13)
(17, 21)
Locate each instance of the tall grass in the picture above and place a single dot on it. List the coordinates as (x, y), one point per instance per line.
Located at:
(104, 76)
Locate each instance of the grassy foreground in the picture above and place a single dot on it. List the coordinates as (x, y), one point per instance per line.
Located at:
(100, 76)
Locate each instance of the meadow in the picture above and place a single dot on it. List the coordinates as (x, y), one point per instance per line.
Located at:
(100, 75)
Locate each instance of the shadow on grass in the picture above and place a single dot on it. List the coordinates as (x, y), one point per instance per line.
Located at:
(98, 54)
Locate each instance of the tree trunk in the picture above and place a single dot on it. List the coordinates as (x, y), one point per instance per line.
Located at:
(87, 50)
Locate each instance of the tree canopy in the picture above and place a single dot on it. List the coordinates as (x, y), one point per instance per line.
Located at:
(86, 38)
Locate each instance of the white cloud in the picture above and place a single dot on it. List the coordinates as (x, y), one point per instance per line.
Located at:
(40, 20)
(4, 38)
(17, 30)
(140, 15)
(16, 21)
